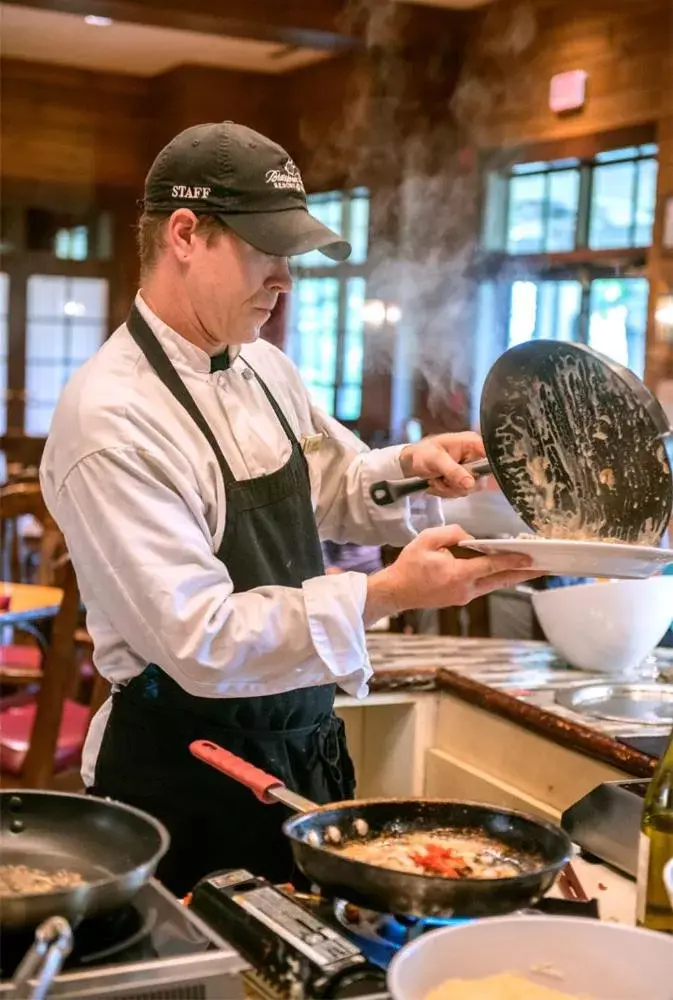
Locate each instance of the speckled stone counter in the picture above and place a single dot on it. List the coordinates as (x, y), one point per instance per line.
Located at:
(517, 680)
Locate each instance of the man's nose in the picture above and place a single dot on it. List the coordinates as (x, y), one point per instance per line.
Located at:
(280, 280)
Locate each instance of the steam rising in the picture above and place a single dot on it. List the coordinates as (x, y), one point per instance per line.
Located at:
(418, 109)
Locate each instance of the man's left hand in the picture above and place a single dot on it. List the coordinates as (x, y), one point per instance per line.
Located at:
(440, 459)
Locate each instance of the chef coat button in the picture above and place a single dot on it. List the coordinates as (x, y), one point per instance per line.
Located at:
(247, 373)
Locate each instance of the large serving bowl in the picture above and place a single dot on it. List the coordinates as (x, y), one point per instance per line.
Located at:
(609, 627)
(581, 957)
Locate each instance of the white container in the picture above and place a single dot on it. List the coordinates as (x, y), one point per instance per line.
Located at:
(609, 627)
(594, 960)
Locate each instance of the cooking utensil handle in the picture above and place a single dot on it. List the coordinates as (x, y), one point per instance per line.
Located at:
(267, 788)
(43, 960)
(385, 493)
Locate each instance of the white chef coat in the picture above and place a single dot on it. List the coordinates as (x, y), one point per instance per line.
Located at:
(137, 491)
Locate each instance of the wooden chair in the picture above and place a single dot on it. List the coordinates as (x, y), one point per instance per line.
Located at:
(42, 734)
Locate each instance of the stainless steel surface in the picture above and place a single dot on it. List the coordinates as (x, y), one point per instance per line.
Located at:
(647, 704)
(44, 960)
(294, 801)
(185, 975)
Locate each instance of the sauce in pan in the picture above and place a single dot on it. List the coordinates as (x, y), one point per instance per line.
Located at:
(447, 853)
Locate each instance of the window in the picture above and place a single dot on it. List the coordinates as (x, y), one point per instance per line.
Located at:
(326, 338)
(538, 208)
(66, 324)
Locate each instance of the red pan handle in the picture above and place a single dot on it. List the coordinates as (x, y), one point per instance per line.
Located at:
(257, 781)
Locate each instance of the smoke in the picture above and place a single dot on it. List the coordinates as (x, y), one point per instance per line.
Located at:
(425, 93)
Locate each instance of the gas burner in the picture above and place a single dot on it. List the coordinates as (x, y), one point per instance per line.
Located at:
(381, 935)
(123, 934)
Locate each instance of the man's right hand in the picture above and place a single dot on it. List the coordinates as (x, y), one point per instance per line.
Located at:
(427, 575)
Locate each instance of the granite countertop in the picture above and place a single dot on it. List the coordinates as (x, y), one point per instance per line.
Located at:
(514, 679)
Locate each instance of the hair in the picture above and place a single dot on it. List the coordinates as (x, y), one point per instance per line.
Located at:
(151, 235)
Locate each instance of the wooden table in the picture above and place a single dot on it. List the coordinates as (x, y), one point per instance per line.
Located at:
(29, 602)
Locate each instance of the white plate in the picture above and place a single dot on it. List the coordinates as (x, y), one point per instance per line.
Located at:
(573, 558)
(593, 959)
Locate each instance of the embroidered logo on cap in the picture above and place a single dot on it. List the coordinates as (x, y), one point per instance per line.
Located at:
(185, 191)
(287, 179)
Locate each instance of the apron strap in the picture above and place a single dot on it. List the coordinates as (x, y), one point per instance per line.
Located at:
(282, 419)
(159, 360)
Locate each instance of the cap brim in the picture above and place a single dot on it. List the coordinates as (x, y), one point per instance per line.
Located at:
(287, 233)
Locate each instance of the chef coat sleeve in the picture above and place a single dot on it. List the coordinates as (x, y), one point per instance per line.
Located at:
(343, 469)
(140, 543)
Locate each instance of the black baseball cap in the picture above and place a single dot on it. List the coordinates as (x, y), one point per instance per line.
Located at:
(245, 179)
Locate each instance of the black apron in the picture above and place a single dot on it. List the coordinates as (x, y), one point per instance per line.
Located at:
(270, 538)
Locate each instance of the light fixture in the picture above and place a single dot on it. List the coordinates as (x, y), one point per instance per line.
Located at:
(97, 21)
(393, 314)
(663, 317)
(73, 308)
(374, 312)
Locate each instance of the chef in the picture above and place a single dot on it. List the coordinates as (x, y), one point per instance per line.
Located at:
(193, 479)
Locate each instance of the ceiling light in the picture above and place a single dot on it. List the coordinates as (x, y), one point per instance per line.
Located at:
(98, 22)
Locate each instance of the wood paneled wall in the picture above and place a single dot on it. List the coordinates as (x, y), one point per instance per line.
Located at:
(406, 118)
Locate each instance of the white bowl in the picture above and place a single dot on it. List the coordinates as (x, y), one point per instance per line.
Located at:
(610, 627)
(595, 960)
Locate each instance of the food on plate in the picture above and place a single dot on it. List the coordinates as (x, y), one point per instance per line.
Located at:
(504, 986)
(19, 880)
(447, 853)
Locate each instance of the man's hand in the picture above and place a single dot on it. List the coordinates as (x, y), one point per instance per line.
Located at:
(440, 459)
(426, 575)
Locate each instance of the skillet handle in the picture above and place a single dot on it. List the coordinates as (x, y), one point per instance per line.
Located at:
(267, 788)
(43, 961)
(385, 493)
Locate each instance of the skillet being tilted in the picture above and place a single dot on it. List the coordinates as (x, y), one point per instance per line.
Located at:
(401, 892)
(578, 444)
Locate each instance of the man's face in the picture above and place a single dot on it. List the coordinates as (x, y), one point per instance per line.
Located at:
(233, 287)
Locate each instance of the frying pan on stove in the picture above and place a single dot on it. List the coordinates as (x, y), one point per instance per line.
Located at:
(112, 847)
(400, 892)
(573, 437)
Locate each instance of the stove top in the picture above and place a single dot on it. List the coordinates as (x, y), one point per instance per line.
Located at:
(153, 948)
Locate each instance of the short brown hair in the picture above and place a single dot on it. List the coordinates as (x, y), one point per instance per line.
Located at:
(152, 240)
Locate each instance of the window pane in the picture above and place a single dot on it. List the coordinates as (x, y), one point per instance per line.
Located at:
(44, 382)
(88, 298)
(525, 223)
(316, 308)
(38, 418)
(47, 295)
(349, 402)
(358, 234)
(645, 207)
(66, 324)
(83, 340)
(564, 190)
(322, 396)
(45, 340)
(354, 334)
(612, 206)
(618, 320)
(523, 312)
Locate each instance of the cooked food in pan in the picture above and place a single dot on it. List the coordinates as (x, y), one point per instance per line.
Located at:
(19, 880)
(446, 853)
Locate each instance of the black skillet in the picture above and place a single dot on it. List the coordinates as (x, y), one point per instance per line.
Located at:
(398, 892)
(572, 439)
(113, 847)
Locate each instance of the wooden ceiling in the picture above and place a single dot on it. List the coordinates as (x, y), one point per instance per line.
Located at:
(316, 24)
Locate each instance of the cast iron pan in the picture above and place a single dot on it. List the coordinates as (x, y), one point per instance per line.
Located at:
(404, 893)
(577, 443)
